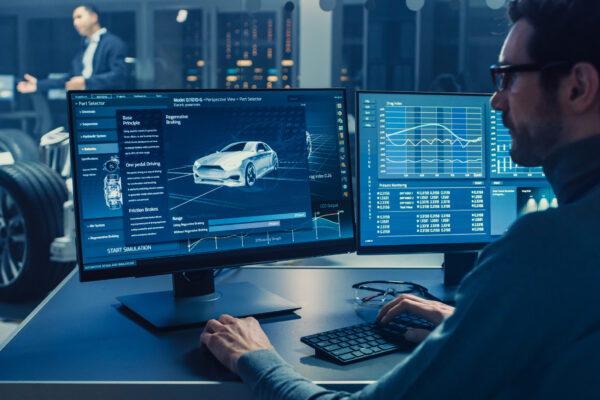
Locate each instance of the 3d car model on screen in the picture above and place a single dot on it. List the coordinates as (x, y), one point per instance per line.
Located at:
(237, 164)
(112, 191)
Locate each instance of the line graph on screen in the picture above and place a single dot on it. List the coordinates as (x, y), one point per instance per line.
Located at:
(431, 142)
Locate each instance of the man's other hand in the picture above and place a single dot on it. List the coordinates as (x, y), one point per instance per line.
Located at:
(433, 311)
(29, 85)
(230, 338)
(75, 83)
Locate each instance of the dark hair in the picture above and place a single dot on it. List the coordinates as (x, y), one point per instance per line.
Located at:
(564, 30)
(91, 9)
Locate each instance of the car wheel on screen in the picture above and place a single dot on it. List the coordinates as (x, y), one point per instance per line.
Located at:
(31, 216)
(250, 174)
(275, 163)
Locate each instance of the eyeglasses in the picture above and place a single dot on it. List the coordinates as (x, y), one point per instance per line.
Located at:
(502, 74)
(376, 292)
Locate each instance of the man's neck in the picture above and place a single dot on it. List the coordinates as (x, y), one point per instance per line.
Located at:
(94, 29)
(578, 128)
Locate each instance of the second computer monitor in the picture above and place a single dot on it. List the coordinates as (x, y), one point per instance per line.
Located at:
(435, 173)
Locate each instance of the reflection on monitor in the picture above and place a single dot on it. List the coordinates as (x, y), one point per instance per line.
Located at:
(435, 174)
(7, 87)
(174, 181)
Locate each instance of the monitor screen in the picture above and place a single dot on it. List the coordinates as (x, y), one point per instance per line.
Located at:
(435, 174)
(7, 87)
(166, 181)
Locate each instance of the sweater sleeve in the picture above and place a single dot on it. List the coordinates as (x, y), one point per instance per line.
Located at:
(270, 377)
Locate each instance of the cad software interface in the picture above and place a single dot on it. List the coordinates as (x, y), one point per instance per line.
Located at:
(181, 173)
(436, 169)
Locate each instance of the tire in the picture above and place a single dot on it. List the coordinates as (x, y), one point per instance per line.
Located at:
(275, 171)
(31, 216)
(250, 175)
(19, 144)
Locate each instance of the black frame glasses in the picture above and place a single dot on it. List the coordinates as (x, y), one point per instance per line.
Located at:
(381, 295)
(501, 74)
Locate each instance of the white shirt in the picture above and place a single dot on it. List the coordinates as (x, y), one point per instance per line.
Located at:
(88, 54)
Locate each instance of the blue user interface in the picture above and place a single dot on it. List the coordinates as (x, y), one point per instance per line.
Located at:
(168, 174)
(435, 169)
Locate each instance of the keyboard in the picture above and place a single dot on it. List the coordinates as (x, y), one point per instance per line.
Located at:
(363, 341)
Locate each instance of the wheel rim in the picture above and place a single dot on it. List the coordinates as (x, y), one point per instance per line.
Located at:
(250, 175)
(13, 243)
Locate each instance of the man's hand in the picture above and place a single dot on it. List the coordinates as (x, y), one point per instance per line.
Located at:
(230, 338)
(29, 85)
(75, 83)
(433, 311)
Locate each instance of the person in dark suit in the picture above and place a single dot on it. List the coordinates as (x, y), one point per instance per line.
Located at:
(99, 65)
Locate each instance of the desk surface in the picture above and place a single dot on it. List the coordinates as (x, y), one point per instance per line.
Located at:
(81, 336)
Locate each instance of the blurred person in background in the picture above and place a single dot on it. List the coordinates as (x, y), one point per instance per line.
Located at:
(100, 64)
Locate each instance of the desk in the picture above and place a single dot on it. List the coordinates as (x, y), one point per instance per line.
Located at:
(79, 343)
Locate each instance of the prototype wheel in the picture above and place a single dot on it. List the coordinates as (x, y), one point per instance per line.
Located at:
(31, 216)
(19, 144)
(250, 174)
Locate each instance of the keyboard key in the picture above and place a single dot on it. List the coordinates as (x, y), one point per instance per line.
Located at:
(347, 356)
(331, 347)
(341, 351)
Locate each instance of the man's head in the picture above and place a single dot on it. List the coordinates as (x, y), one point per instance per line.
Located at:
(86, 20)
(558, 102)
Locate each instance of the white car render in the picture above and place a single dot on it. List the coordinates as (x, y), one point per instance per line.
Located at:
(237, 164)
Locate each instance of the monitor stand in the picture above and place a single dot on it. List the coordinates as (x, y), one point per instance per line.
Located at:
(194, 300)
(456, 265)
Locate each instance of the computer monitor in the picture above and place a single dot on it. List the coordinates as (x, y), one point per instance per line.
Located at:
(7, 87)
(435, 175)
(176, 182)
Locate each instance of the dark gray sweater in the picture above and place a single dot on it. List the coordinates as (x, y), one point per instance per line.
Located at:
(527, 318)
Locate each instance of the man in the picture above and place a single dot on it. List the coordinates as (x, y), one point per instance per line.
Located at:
(526, 323)
(100, 65)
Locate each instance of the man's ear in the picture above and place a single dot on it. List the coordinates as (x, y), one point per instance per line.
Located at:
(582, 87)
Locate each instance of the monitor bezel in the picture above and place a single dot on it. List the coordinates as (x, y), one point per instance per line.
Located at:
(198, 262)
(404, 248)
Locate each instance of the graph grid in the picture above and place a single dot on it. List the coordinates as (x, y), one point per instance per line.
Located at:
(502, 164)
(430, 142)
